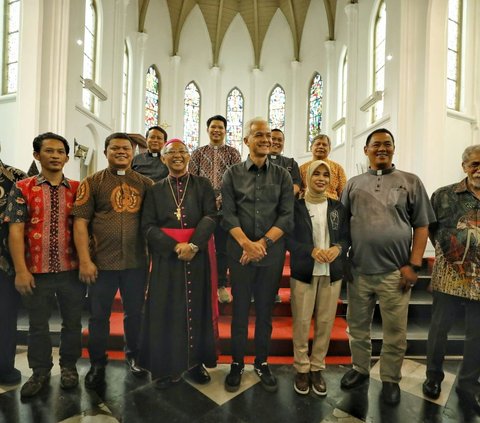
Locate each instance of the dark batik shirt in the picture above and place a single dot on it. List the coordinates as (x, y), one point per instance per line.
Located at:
(112, 204)
(8, 176)
(456, 236)
(211, 162)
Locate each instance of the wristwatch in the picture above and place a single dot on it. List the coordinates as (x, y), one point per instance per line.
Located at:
(268, 241)
(415, 268)
(194, 247)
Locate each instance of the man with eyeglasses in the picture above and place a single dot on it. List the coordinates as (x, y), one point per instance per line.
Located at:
(211, 161)
(150, 163)
(178, 220)
(455, 276)
(112, 252)
(385, 206)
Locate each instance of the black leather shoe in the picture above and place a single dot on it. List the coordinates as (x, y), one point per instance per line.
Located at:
(11, 378)
(95, 377)
(390, 393)
(134, 367)
(353, 379)
(470, 399)
(233, 379)
(431, 388)
(199, 374)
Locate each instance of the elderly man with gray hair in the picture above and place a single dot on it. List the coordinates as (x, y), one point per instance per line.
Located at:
(455, 279)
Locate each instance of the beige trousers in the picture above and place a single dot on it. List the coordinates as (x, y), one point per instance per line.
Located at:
(317, 299)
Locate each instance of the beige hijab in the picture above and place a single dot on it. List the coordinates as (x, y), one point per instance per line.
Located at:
(310, 195)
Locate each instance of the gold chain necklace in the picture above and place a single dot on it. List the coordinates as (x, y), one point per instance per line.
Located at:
(178, 213)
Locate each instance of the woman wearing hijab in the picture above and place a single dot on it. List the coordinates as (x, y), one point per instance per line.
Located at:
(318, 250)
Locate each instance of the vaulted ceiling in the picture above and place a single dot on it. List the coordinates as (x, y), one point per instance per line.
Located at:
(257, 15)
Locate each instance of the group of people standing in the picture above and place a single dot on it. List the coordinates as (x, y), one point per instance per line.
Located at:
(166, 227)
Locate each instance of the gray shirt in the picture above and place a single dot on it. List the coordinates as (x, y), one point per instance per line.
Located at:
(384, 206)
(150, 166)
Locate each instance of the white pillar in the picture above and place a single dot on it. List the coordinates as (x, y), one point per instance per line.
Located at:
(293, 146)
(175, 96)
(138, 42)
(329, 81)
(351, 10)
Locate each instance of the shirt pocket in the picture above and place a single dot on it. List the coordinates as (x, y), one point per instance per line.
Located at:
(397, 197)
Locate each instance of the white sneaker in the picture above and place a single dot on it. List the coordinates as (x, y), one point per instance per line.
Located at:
(223, 295)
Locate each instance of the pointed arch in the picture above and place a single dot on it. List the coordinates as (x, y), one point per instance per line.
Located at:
(276, 107)
(234, 114)
(191, 116)
(315, 107)
(152, 97)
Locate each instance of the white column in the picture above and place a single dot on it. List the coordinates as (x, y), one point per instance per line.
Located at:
(175, 94)
(29, 82)
(293, 145)
(138, 42)
(255, 98)
(329, 82)
(215, 105)
(351, 10)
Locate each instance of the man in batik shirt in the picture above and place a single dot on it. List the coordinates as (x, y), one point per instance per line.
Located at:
(9, 297)
(41, 245)
(455, 279)
(211, 161)
(107, 219)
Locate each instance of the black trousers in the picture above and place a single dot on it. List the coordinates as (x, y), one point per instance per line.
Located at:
(220, 237)
(262, 282)
(69, 292)
(9, 301)
(444, 309)
(131, 283)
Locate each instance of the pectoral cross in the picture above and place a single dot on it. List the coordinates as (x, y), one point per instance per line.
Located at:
(178, 213)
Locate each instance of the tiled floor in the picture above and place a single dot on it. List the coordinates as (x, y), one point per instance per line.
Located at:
(130, 400)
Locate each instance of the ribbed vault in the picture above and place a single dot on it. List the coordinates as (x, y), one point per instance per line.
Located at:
(257, 15)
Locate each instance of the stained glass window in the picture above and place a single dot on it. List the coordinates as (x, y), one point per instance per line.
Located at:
(315, 108)
(152, 97)
(11, 46)
(125, 87)
(191, 116)
(379, 39)
(276, 108)
(89, 50)
(235, 119)
(454, 53)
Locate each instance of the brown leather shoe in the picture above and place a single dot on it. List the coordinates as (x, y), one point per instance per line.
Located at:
(318, 383)
(301, 383)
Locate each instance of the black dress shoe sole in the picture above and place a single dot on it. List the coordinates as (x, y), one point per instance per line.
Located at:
(359, 381)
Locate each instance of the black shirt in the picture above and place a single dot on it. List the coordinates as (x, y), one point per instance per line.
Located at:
(287, 163)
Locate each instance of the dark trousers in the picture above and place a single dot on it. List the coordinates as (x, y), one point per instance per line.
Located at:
(69, 293)
(9, 300)
(444, 309)
(131, 283)
(262, 282)
(220, 237)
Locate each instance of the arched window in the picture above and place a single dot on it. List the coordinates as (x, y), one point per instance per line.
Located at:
(276, 108)
(454, 53)
(379, 40)
(343, 98)
(11, 41)
(235, 118)
(152, 97)
(191, 116)
(315, 107)
(89, 50)
(125, 86)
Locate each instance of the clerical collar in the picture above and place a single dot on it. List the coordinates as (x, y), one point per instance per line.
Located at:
(119, 172)
(272, 156)
(153, 154)
(380, 172)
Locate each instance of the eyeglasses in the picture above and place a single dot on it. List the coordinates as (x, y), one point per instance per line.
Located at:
(473, 165)
(173, 152)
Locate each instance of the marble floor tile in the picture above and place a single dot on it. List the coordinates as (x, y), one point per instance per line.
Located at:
(99, 415)
(215, 390)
